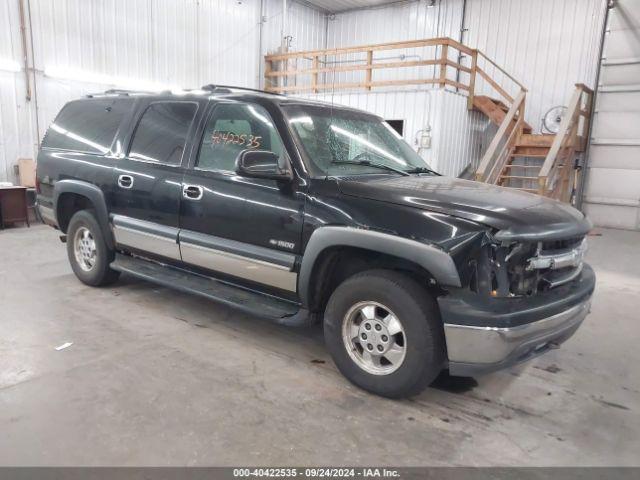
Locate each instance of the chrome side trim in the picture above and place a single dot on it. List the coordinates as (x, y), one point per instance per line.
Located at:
(146, 236)
(242, 249)
(259, 271)
(48, 215)
(490, 345)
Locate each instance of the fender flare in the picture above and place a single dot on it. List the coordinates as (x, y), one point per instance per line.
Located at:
(435, 260)
(95, 196)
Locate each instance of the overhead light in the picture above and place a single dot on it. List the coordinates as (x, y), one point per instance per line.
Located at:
(84, 76)
(9, 65)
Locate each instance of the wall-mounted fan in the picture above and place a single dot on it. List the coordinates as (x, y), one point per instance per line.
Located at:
(552, 119)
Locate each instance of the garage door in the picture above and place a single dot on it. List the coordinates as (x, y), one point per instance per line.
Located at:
(612, 196)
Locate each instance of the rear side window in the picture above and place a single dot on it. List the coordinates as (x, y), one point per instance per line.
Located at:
(87, 125)
(162, 132)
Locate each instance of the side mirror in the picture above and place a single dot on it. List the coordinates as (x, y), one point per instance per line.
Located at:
(263, 164)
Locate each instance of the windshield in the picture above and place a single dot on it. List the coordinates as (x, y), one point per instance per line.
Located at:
(344, 142)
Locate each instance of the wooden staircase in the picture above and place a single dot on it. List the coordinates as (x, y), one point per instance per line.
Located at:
(546, 164)
(495, 110)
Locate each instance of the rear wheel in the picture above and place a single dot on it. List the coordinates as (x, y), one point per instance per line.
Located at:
(384, 333)
(88, 253)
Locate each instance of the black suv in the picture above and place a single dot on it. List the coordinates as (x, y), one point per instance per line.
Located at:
(301, 211)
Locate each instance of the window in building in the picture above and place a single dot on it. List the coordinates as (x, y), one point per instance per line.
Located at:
(397, 125)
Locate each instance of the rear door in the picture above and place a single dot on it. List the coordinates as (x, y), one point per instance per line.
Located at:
(243, 227)
(147, 181)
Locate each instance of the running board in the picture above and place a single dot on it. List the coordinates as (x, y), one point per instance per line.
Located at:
(281, 311)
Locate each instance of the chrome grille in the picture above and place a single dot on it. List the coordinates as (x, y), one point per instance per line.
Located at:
(559, 264)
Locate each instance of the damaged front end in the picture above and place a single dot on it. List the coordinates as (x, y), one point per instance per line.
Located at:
(519, 298)
(513, 269)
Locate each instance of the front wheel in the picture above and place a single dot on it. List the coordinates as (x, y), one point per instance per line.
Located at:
(88, 253)
(384, 333)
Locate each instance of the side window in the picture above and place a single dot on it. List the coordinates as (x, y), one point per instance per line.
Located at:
(162, 132)
(232, 128)
(87, 125)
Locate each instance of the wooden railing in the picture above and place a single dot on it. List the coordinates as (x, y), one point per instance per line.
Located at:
(315, 71)
(452, 64)
(558, 176)
(503, 143)
(282, 67)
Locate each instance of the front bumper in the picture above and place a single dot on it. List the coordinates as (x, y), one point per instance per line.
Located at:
(485, 336)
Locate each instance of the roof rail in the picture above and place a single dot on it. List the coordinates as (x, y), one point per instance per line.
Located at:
(119, 91)
(230, 88)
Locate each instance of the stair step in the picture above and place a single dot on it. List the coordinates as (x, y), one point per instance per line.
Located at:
(536, 140)
(518, 177)
(532, 190)
(222, 292)
(496, 110)
(511, 165)
(518, 153)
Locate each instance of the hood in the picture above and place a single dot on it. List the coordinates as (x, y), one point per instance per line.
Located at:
(517, 215)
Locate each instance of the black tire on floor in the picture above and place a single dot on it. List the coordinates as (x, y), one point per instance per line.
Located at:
(419, 315)
(99, 274)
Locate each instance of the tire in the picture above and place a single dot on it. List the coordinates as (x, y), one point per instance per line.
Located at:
(397, 374)
(90, 262)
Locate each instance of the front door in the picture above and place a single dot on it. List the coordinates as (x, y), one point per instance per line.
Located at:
(249, 229)
(148, 180)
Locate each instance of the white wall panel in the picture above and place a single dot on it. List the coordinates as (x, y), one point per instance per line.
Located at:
(547, 45)
(306, 26)
(404, 21)
(15, 115)
(181, 43)
(186, 43)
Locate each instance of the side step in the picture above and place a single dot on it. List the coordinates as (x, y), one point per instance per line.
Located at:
(281, 311)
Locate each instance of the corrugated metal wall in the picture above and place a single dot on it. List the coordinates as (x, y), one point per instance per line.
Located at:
(15, 115)
(547, 45)
(405, 21)
(182, 44)
(192, 42)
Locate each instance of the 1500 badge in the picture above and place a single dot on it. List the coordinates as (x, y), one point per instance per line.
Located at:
(282, 244)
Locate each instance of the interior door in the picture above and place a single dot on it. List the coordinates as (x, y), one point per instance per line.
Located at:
(148, 180)
(246, 228)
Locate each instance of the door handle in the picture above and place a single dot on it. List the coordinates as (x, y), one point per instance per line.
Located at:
(192, 192)
(125, 181)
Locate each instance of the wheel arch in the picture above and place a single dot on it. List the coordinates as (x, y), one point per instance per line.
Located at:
(71, 196)
(328, 246)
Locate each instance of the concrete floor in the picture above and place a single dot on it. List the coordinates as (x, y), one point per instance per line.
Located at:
(156, 377)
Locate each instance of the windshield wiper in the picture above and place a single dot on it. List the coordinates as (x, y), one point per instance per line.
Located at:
(422, 170)
(369, 163)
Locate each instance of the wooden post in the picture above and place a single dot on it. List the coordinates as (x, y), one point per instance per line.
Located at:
(314, 76)
(443, 64)
(542, 185)
(369, 71)
(267, 69)
(472, 79)
(521, 116)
